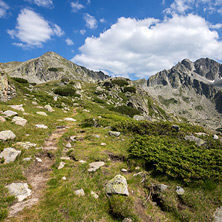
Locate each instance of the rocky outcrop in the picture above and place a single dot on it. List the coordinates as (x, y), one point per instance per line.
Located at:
(48, 67)
(7, 91)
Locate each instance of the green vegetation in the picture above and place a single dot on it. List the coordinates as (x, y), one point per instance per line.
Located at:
(167, 102)
(119, 82)
(130, 89)
(53, 69)
(65, 91)
(20, 80)
(199, 108)
(127, 110)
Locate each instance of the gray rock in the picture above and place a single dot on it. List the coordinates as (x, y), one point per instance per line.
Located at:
(2, 119)
(65, 158)
(160, 187)
(124, 170)
(82, 161)
(96, 196)
(198, 141)
(201, 134)
(180, 190)
(95, 166)
(49, 108)
(27, 159)
(80, 192)
(26, 145)
(7, 135)
(18, 107)
(70, 119)
(114, 133)
(41, 126)
(218, 214)
(38, 160)
(19, 121)
(10, 154)
(117, 185)
(42, 113)
(139, 117)
(10, 113)
(97, 136)
(103, 144)
(34, 103)
(19, 190)
(68, 145)
(127, 220)
(216, 137)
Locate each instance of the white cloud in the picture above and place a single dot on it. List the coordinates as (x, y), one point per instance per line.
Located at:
(3, 8)
(90, 20)
(69, 42)
(76, 6)
(82, 31)
(144, 47)
(88, 2)
(102, 20)
(42, 3)
(32, 30)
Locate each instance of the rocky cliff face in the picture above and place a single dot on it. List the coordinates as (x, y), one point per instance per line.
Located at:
(192, 90)
(48, 67)
(7, 91)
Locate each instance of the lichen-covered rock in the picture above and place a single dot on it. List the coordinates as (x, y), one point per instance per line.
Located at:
(2, 119)
(9, 113)
(114, 133)
(118, 185)
(10, 154)
(180, 190)
(7, 135)
(198, 141)
(49, 108)
(80, 192)
(19, 190)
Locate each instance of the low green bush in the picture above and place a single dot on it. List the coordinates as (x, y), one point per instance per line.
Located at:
(20, 80)
(53, 69)
(120, 82)
(127, 110)
(130, 89)
(65, 91)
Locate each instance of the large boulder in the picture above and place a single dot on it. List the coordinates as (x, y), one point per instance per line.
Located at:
(19, 190)
(114, 133)
(198, 141)
(7, 135)
(118, 185)
(10, 154)
(19, 121)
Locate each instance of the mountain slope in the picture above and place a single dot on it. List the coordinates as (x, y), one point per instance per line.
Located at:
(192, 90)
(48, 67)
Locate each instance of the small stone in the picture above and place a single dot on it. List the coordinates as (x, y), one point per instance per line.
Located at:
(137, 168)
(86, 110)
(127, 220)
(80, 192)
(218, 214)
(49, 108)
(42, 113)
(39, 107)
(2, 119)
(160, 187)
(34, 103)
(68, 145)
(103, 144)
(10, 154)
(41, 126)
(180, 190)
(10, 113)
(26, 145)
(19, 121)
(65, 158)
(27, 159)
(117, 185)
(216, 137)
(61, 165)
(95, 166)
(124, 170)
(38, 159)
(96, 196)
(55, 98)
(97, 136)
(114, 133)
(7, 135)
(19, 190)
(82, 161)
(70, 119)
(63, 178)
(18, 107)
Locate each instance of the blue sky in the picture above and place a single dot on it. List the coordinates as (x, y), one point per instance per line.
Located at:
(120, 37)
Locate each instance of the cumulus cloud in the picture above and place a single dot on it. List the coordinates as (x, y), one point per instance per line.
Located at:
(69, 42)
(76, 6)
(42, 3)
(3, 8)
(90, 20)
(144, 47)
(32, 30)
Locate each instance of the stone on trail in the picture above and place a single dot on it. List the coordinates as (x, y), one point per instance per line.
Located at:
(42, 113)
(80, 192)
(19, 190)
(61, 165)
(95, 166)
(2, 119)
(19, 121)
(41, 126)
(117, 185)
(49, 108)
(10, 154)
(198, 141)
(18, 107)
(114, 133)
(10, 113)
(7, 135)
(70, 119)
